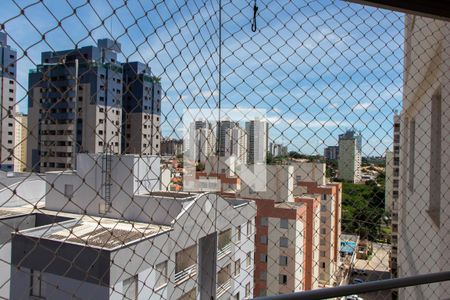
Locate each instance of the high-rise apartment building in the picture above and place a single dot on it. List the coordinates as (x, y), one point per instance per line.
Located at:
(350, 156)
(8, 65)
(331, 152)
(75, 105)
(20, 144)
(423, 205)
(277, 149)
(141, 110)
(330, 228)
(202, 141)
(171, 147)
(236, 144)
(258, 140)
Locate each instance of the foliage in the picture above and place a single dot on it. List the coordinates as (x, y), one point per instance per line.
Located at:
(200, 167)
(363, 209)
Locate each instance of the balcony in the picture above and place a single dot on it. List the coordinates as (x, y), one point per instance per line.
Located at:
(223, 280)
(185, 264)
(224, 244)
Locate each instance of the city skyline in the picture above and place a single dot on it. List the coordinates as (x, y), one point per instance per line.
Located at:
(345, 93)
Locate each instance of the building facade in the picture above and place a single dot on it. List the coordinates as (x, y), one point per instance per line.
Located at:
(330, 228)
(75, 105)
(141, 110)
(202, 141)
(171, 147)
(20, 148)
(277, 149)
(394, 194)
(141, 243)
(423, 204)
(8, 58)
(350, 157)
(331, 152)
(258, 140)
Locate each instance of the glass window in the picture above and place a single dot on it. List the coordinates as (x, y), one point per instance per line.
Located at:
(263, 258)
(284, 242)
(284, 223)
(238, 233)
(264, 239)
(249, 228)
(263, 276)
(264, 221)
(283, 260)
(237, 267)
(161, 274)
(282, 279)
(247, 290)
(248, 260)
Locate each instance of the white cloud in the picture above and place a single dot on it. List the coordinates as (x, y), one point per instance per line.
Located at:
(363, 106)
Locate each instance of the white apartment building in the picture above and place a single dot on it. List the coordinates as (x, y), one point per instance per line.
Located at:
(20, 143)
(139, 248)
(8, 74)
(236, 144)
(349, 162)
(258, 140)
(424, 222)
(279, 185)
(201, 141)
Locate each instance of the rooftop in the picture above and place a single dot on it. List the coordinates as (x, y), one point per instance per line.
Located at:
(96, 232)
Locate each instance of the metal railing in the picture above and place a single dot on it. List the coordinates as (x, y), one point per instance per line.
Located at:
(362, 288)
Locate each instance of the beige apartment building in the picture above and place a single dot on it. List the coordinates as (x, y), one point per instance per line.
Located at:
(424, 222)
(20, 144)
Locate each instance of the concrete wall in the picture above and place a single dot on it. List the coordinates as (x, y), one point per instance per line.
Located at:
(424, 209)
(23, 193)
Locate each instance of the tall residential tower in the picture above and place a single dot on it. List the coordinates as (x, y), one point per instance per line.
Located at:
(8, 102)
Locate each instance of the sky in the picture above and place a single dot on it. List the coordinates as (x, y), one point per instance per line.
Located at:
(317, 68)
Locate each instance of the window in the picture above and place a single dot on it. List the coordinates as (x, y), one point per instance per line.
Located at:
(323, 207)
(249, 228)
(283, 260)
(263, 258)
(247, 290)
(412, 145)
(284, 242)
(282, 279)
(68, 190)
(284, 223)
(263, 292)
(238, 233)
(237, 267)
(37, 288)
(237, 296)
(130, 288)
(298, 178)
(263, 276)
(434, 206)
(264, 221)
(323, 265)
(248, 260)
(263, 239)
(323, 230)
(322, 253)
(161, 274)
(324, 196)
(323, 220)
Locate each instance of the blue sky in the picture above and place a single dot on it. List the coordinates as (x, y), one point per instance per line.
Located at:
(317, 68)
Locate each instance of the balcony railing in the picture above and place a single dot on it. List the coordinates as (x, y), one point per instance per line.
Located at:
(222, 288)
(185, 274)
(224, 251)
(362, 288)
